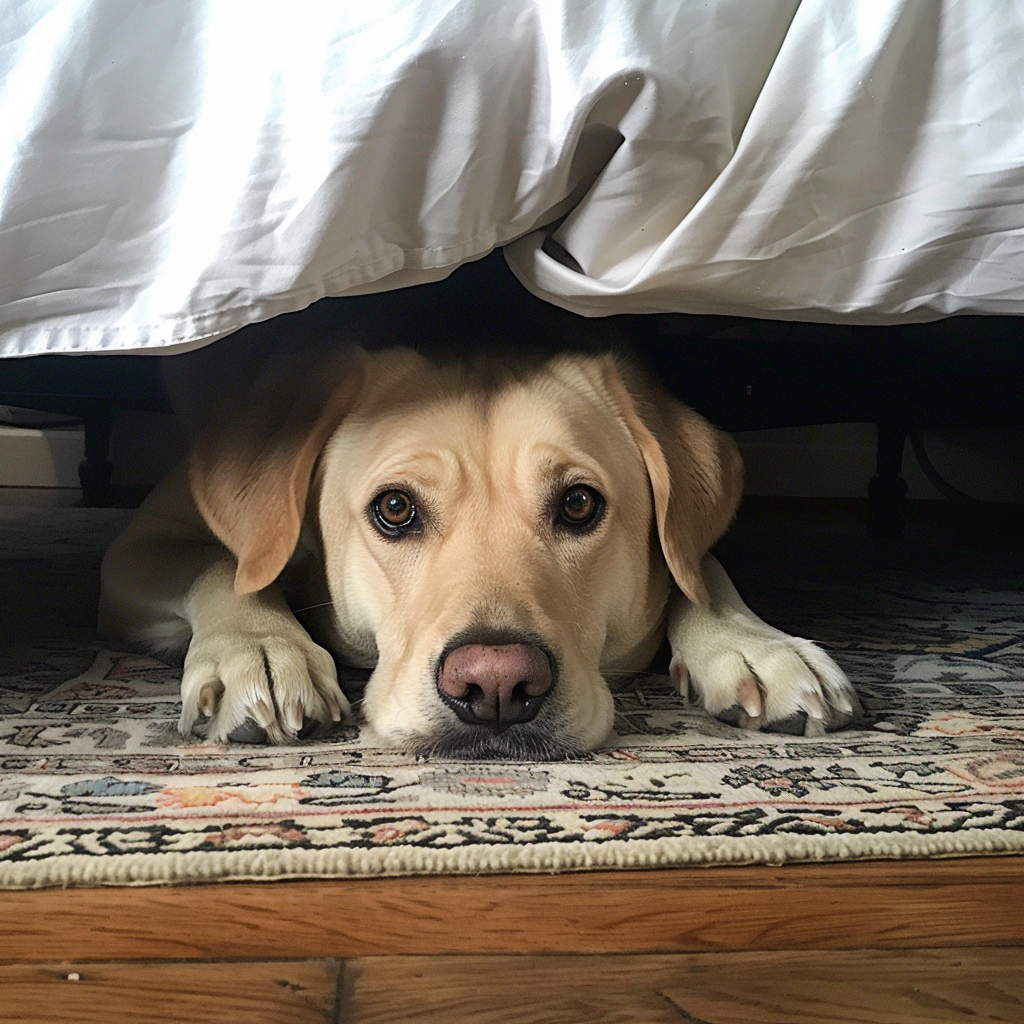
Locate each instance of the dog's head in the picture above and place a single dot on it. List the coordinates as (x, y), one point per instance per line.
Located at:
(493, 536)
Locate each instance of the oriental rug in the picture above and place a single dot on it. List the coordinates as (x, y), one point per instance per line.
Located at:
(97, 787)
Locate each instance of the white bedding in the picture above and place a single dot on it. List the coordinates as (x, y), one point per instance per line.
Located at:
(175, 169)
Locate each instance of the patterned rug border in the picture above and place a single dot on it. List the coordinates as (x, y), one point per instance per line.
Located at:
(541, 858)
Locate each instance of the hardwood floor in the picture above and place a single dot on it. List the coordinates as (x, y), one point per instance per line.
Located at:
(845, 987)
(162, 993)
(893, 942)
(878, 905)
(929, 987)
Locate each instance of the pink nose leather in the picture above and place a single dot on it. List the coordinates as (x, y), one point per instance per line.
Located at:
(495, 685)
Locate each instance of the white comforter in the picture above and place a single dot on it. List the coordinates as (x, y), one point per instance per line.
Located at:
(171, 170)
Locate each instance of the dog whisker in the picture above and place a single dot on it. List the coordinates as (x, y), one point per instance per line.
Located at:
(313, 607)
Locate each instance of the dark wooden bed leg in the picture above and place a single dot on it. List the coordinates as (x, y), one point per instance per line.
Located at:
(96, 469)
(887, 490)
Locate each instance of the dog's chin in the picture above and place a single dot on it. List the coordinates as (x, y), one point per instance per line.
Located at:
(526, 742)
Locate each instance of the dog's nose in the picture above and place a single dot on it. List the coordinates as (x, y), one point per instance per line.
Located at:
(496, 685)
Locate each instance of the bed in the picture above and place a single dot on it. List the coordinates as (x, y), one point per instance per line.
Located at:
(173, 171)
(807, 177)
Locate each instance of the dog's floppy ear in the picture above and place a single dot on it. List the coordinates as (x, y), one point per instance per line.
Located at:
(250, 473)
(695, 471)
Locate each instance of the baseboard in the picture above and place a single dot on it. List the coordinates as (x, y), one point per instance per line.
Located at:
(40, 497)
(40, 459)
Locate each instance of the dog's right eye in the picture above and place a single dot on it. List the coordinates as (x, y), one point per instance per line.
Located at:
(394, 513)
(580, 508)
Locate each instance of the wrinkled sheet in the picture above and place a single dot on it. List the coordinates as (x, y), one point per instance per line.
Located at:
(173, 170)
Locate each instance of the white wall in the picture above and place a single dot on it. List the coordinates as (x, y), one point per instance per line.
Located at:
(39, 465)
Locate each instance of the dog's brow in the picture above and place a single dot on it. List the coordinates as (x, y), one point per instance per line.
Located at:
(578, 470)
(424, 466)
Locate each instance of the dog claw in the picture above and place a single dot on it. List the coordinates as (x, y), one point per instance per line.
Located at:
(209, 698)
(814, 704)
(264, 714)
(750, 697)
(293, 718)
(680, 676)
(814, 727)
(844, 703)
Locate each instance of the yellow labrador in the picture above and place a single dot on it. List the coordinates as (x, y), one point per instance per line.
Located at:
(492, 536)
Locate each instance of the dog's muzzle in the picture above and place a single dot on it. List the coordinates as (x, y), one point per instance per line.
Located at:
(495, 685)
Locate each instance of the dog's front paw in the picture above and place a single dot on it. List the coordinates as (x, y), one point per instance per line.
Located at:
(250, 687)
(749, 674)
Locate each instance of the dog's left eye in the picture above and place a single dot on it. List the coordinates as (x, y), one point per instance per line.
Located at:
(580, 507)
(394, 513)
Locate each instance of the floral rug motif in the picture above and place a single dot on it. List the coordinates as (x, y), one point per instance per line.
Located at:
(97, 787)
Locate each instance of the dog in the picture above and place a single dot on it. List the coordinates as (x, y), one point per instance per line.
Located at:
(493, 536)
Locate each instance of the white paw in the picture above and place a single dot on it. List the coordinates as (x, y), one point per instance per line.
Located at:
(750, 674)
(253, 687)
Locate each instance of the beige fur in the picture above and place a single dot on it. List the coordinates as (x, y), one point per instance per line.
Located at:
(287, 467)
